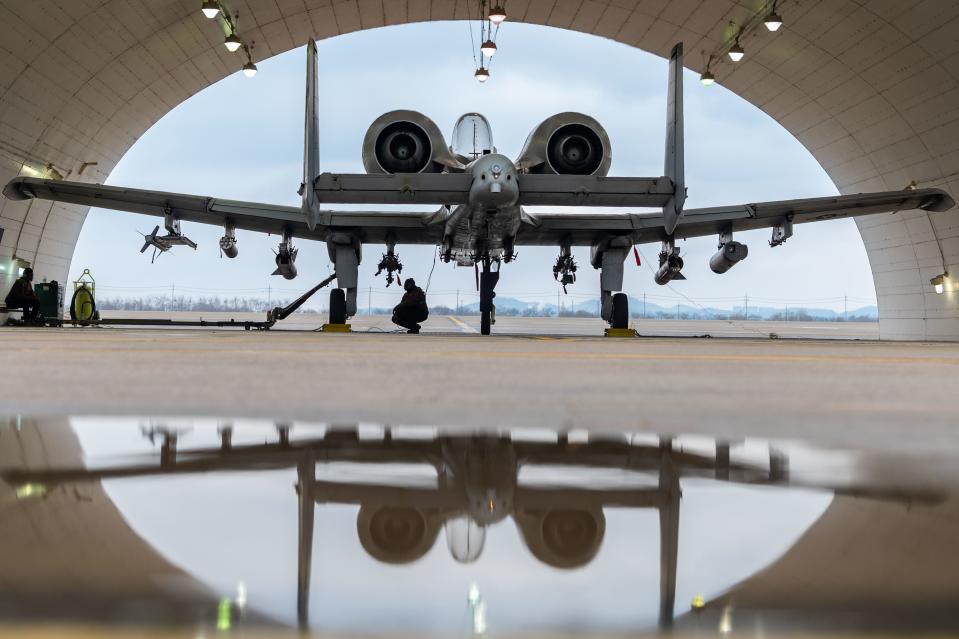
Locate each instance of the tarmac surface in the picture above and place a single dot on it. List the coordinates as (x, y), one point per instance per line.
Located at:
(555, 373)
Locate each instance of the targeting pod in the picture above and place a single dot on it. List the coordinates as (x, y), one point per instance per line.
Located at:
(728, 255)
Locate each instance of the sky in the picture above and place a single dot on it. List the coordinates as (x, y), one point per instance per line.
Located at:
(242, 139)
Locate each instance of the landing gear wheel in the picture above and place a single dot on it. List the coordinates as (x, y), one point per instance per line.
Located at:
(337, 306)
(620, 317)
(485, 322)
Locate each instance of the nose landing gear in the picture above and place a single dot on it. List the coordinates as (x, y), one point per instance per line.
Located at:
(487, 282)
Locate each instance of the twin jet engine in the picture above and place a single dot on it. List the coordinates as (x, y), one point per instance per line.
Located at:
(410, 142)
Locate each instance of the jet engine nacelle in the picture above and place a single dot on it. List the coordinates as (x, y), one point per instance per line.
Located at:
(406, 142)
(396, 534)
(567, 144)
(563, 537)
(729, 254)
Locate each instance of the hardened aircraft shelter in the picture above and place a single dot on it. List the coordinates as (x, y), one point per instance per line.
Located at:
(870, 88)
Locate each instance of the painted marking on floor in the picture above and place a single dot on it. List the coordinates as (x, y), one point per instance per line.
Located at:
(463, 326)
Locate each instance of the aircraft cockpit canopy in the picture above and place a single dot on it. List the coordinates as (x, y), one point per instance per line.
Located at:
(472, 137)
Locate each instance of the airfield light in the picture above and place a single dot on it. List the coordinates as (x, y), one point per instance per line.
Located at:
(232, 43)
(488, 48)
(210, 9)
(773, 21)
(497, 15)
(707, 78)
(481, 74)
(939, 283)
(736, 52)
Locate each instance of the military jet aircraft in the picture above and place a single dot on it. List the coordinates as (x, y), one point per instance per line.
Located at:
(481, 196)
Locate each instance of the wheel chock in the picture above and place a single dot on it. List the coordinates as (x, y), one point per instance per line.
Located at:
(621, 332)
(336, 328)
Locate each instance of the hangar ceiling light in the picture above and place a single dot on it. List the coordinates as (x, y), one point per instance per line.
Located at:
(939, 283)
(210, 8)
(707, 78)
(232, 43)
(489, 22)
(736, 52)
(773, 21)
(249, 69)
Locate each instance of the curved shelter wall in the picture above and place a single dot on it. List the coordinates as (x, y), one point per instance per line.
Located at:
(870, 88)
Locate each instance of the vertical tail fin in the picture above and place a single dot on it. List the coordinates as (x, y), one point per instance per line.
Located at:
(311, 141)
(674, 167)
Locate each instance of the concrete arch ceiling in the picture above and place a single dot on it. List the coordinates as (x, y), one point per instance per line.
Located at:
(870, 87)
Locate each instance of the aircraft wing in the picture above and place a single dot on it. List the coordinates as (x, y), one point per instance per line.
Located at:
(584, 228)
(416, 227)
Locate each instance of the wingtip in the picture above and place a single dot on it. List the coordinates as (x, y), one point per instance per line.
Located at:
(14, 190)
(940, 202)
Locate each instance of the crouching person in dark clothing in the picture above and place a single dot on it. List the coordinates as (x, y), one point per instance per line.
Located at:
(412, 309)
(22, 296)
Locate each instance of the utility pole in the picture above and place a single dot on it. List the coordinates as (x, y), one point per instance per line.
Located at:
(787, 312)
(557, 302)
(173, 296)
(746, 307)
(845, 308)
(458, 302)
(269, 295)
(644, 304)
(369, 301)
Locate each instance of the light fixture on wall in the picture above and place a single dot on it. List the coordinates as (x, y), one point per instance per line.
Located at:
(939, 283)
(210, 8)
(773, 21)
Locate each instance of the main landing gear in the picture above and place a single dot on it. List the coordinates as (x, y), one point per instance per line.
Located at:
(487, 282)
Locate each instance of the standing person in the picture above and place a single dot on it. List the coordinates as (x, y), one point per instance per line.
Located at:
(22, 296)
(412, 309)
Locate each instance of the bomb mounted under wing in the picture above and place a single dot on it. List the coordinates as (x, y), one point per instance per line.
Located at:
(481, 197)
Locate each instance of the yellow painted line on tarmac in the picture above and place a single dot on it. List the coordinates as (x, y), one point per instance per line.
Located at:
(463, 326)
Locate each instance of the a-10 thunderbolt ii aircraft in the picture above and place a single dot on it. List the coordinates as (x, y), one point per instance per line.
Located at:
(481, 196)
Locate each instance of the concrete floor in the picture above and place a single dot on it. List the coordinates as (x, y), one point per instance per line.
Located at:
(832, 391)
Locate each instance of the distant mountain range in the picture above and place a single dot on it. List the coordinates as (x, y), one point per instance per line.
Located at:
(511, 305)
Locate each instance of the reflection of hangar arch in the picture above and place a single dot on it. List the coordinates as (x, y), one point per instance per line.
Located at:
(870, 90)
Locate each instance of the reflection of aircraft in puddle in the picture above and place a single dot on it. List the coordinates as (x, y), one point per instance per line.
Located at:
(477, 485)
